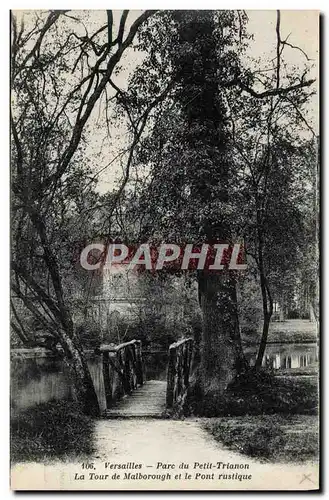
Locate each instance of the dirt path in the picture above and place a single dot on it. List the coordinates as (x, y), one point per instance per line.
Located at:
(147, 454)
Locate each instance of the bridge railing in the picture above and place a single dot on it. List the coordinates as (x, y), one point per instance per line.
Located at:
(122, 369)
(178, 371)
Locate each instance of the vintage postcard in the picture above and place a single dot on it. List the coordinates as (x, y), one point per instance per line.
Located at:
(165, 250)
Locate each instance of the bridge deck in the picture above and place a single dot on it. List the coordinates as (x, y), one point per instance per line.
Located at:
(148, 400)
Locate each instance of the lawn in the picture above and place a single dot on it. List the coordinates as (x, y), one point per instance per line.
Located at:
(270, 438)
(293, 330)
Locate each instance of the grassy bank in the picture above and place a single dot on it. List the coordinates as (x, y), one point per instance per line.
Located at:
(295, 330)
(269, 437)
(49, 431)
(258, 393)
(289, 331)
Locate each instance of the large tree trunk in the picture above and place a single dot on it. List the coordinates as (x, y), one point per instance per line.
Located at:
(83, 384)
(209, 171)
(221, 350)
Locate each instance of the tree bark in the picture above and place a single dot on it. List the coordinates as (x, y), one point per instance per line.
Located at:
(222, 357)
(263, 341)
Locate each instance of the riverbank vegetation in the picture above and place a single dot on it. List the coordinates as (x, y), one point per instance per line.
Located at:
(52, 430)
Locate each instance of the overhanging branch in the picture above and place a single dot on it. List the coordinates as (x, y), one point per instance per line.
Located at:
(267, 93)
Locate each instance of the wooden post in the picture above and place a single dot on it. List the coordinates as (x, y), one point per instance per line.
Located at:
(188, 359)
(178, 371)
(126, 361)
(106, 378)
(125, 353)
(139, 362)
(171, 377)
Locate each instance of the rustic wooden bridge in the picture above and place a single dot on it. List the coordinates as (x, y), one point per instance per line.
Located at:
(129, 395)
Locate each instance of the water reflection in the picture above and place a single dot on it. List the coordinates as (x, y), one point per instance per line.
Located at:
(41, 379)
(287, 356)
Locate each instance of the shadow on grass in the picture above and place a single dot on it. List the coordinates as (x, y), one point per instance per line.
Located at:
(257, 393)
(275, 438)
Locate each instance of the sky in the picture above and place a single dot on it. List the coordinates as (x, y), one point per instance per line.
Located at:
(303, 28)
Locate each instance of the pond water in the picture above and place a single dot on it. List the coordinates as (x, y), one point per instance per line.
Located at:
(287, 356)
(41, 379)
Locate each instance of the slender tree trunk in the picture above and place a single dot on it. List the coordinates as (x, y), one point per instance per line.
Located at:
(221, 350)
(84, 387)
(83, 384)
(73, 352)
(267, 309)
(263, 341)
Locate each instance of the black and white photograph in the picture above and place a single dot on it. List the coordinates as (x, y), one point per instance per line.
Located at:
(164, 250)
